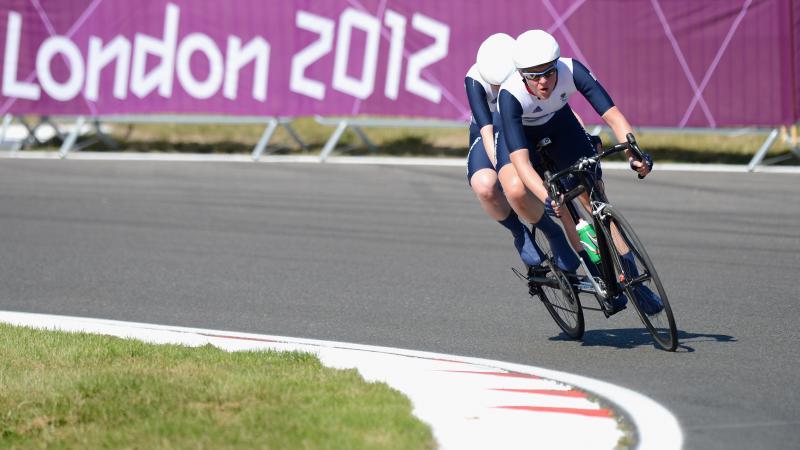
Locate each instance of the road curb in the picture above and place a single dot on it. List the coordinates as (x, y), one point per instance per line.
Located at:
(469, 402)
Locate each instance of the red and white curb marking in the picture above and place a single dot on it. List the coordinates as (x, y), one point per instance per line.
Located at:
(470, 403)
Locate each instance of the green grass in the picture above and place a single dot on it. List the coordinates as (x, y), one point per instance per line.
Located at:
(62, 390)
(431, 142)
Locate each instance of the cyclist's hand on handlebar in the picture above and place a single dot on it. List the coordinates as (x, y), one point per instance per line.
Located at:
(551, 207)
(642, 167)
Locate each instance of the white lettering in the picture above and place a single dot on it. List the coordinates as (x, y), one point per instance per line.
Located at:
(238, 57)
(161, 76)
(11, 86)
(120, 49)
(427, 56)
(357, 87)
(130, 61)
(397, 23)
(322, 46)
(50, 48)
(199, 89)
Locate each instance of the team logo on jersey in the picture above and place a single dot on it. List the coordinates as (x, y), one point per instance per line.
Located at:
(538, 109)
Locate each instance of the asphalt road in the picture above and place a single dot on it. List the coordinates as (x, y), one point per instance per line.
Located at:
(404, 257)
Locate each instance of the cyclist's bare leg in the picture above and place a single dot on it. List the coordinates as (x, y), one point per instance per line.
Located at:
(569, 222)
(492, 200)
(531, 209)
(619, 242)
(484, 184)
(572, 232)
(523, 201)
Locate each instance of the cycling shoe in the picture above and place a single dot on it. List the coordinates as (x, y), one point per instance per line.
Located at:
(619, 302)
(648, 300)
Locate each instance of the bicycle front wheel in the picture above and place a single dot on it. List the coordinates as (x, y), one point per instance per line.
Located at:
(562, 303)
(639, 279)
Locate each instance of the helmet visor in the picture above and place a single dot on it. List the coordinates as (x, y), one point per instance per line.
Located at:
(547, 72)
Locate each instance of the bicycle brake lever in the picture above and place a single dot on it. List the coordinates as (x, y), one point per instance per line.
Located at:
(637, 153)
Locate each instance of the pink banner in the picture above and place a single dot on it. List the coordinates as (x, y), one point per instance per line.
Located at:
(674, 63)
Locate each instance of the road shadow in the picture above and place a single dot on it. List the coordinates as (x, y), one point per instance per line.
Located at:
(640, 337)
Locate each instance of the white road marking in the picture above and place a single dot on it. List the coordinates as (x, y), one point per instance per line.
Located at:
(368, 160)
(469, 402)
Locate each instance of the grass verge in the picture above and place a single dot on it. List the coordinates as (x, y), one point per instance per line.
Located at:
(432, 142)
(68, 390)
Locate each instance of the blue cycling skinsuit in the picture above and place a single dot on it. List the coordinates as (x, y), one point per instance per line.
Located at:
(483, 103)
(527, 119)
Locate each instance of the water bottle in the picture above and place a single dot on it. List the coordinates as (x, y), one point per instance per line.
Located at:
(588, 240)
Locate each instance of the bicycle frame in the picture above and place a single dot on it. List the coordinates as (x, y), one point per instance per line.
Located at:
(598, 202)
(616, 240)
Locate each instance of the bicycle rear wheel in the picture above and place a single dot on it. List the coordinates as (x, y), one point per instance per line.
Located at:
(639, 279)
(562, 303)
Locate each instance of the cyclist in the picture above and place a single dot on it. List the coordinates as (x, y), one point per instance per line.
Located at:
(494, 65)
(534, 106)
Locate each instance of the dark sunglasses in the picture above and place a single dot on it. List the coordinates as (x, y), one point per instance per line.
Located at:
(536, 76)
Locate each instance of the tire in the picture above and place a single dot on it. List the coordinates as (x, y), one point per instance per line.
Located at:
(661, 324)
(562, 303)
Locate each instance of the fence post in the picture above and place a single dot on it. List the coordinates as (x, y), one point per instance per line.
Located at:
(69, 142)
(265, 137)
(6, 122)
(287, 124)
(331, 144)
(759, 156)
(365, 139)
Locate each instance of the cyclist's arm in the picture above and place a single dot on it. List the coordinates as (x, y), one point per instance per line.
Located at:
(597, 96)
(517, 143)
(520, 159)
(487, 133)
(619, 124)
(476, 96)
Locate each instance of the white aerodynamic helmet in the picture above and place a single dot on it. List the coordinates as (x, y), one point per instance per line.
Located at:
(494, 58)
(534, 48)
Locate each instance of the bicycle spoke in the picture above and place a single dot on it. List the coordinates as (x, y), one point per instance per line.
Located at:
(562, 301)
(641, 283)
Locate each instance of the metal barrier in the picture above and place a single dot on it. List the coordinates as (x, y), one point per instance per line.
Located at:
(357, 123)
(31, 129)
(69, 139)
(757, 159)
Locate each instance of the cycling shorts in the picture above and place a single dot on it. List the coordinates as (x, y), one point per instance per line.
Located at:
(477, 158)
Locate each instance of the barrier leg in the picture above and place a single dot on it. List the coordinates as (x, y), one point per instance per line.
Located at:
(365, 139)
(6, 122)
(106, 139)
(332, 141)
(287, 124)
(31, 137)
(46, 121)
(69, 142)
(265, 137)
(759, 156)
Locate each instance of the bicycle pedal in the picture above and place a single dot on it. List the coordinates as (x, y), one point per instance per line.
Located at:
(612, 310)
